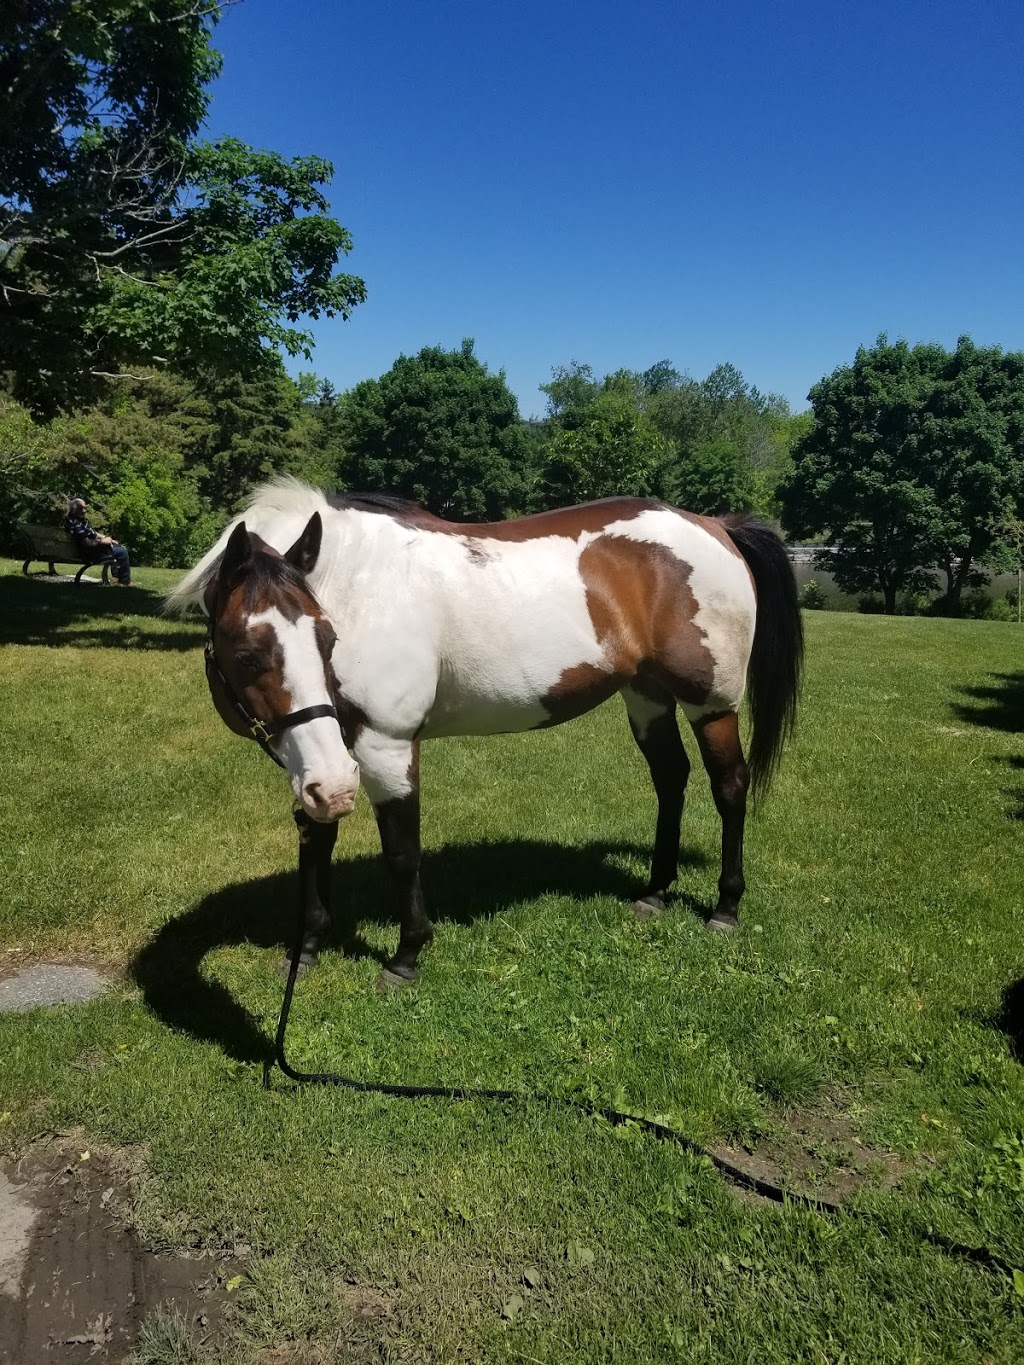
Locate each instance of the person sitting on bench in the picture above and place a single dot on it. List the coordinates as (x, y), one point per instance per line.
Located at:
(91, 544)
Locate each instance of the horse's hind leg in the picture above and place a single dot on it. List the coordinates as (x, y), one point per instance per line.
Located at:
(652, 718)
(720, 748)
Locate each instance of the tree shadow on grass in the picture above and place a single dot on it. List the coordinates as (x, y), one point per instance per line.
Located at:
(1003, 704)
(462, 882)
(1009, 1020)
(1003, 710)
(35, 610)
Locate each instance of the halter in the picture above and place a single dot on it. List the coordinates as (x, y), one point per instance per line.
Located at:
(261, 730)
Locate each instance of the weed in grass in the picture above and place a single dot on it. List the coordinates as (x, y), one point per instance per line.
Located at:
(786, 1075)
(166, 1337)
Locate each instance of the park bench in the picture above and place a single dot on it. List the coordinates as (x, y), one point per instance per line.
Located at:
(52, 547)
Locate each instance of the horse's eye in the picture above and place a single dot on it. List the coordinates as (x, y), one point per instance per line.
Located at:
(248, 662)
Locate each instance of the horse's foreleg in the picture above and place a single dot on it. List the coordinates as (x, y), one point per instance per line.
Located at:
(390, 770)
(652, 720)
(316, 844)
(719, 740)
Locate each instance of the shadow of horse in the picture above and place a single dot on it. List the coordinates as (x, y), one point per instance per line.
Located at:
(38, 611)
(463, 883)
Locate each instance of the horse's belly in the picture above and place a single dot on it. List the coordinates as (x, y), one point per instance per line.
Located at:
(483, 715)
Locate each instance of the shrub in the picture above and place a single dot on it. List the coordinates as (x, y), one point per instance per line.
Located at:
(813, 596)
(871, 606)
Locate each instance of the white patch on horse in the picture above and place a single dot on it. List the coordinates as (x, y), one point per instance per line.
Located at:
(516, 623)
(323, 775)
(386, 765)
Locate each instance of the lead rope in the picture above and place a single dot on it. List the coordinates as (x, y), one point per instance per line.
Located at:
(734, 1174)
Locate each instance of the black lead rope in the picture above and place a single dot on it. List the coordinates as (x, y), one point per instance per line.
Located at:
(733, 1173)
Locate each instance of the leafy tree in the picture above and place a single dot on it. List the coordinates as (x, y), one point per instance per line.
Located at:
(571, 389)
(912, 463)
(254, 431)
(729, 442)
(440, 428)
(124, 241)
(604, 448)
(974, 425)
(129, 459)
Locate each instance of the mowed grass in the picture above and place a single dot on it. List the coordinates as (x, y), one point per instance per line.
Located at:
(877, 973)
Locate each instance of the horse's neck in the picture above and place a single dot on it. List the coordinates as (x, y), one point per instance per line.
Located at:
(362, 555)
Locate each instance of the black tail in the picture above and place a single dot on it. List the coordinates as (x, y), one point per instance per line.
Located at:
(776, 660)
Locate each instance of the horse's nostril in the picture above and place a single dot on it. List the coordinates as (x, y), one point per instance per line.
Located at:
(312, 790)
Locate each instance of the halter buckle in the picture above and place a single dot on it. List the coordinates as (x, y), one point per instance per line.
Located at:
(259, 731)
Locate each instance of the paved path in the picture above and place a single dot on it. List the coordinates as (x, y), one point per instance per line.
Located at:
(49, 985)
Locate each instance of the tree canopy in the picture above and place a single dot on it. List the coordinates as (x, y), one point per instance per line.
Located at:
(124, 240)
(440, 428)
(913, 463)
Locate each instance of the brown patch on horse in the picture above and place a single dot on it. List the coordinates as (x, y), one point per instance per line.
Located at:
(570, 522)
(578, 690)
(643, 610)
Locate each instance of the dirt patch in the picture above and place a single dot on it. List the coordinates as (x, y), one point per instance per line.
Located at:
(75, 1284)
(820, 1153)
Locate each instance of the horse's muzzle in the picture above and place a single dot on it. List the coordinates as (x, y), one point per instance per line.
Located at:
(327, 806)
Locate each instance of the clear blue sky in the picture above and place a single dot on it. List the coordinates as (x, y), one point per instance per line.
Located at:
(767, 182)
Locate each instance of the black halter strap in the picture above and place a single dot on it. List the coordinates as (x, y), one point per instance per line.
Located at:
(261, 730)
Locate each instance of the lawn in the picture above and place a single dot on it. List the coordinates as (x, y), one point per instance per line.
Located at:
(875, 989)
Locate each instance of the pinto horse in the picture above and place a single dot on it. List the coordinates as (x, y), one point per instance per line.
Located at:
(345, 630)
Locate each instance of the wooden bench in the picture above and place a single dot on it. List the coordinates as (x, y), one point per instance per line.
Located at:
(52, 547)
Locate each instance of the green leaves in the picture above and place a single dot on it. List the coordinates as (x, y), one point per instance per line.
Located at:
(127, 242)
(913, 464)
(437, 427)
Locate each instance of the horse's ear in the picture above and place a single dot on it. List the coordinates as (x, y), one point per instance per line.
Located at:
(306, 550)
(237, 553)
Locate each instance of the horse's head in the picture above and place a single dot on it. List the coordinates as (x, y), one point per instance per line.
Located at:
(269, 665)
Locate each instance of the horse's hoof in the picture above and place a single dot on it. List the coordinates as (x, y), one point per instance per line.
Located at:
(648, 907)
(394, 981)
(723, 924)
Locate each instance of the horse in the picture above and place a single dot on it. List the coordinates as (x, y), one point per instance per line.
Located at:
(345, 630)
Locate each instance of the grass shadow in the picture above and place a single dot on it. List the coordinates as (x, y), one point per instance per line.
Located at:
(462, 882)
(38, 611)
(1009, 1020)
(1003, 707)
(1003, 710)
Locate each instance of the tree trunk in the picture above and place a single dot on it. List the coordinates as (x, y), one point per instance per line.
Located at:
(956, 580)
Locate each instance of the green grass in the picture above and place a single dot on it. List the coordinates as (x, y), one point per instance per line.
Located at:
(878, 971)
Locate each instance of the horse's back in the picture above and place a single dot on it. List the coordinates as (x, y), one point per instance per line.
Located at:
(550, 614)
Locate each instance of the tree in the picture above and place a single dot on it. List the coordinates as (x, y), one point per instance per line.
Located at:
(729, 441)
(254, 431)
(440, 428)
(912, 463)
(124, 241)
(605, 449)
(974, 424)
(129, 458)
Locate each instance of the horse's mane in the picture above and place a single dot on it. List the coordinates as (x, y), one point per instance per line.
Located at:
(386, 502)
(281, 499)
